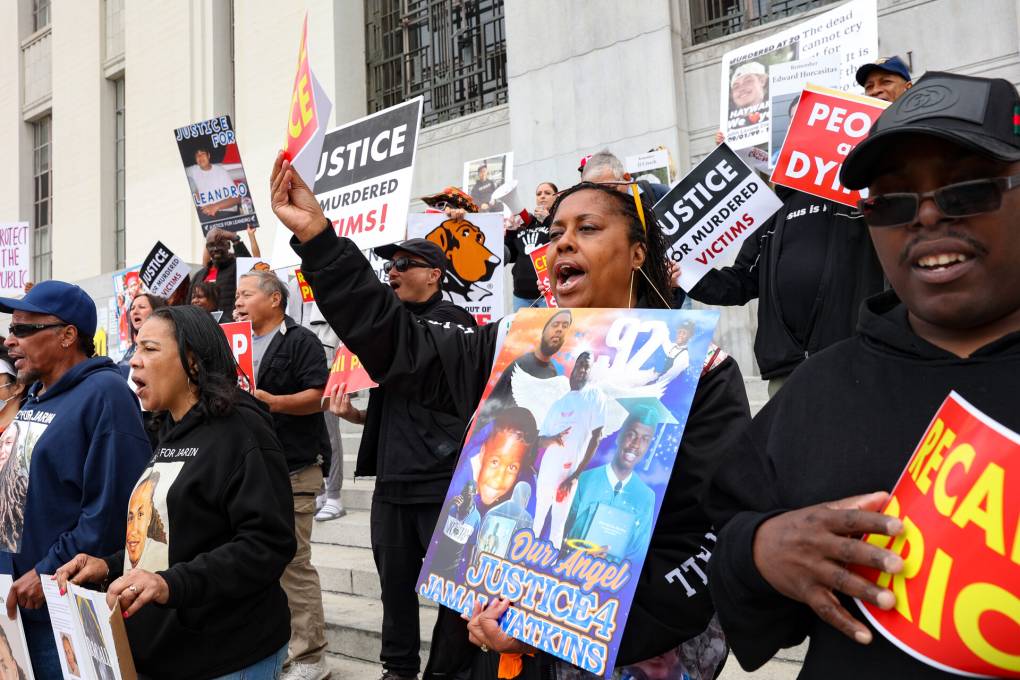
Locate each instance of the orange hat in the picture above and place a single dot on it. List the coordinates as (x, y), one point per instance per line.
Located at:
(453, 197)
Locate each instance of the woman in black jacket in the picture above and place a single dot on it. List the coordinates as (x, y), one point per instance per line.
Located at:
(602, 255)
(210, 522)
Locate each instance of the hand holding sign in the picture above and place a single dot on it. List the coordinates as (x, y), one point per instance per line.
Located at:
(803, 554)
(294, 203)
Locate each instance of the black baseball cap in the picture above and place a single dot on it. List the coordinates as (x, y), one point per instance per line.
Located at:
(890, 64)
(980, 114)
(66, 301)
(423, 248)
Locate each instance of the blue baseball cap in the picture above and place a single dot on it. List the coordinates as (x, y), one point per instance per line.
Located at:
(890, 64)
(66, 301)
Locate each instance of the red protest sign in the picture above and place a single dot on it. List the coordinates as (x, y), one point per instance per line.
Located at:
(827, 125)
(958, 595)
(542, 272)
(304, 287)
(346, 368)
(303, 121)
(239, 337)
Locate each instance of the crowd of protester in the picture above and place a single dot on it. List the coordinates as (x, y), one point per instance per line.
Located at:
(863, 328)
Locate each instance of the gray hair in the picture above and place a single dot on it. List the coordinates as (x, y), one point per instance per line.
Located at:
(600, 161)
(269, 283)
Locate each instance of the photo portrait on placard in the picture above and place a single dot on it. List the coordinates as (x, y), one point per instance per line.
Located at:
(95, 640)
(147, 543)
(16, 445)
(483, 176)
(15, 663)
(749, 89)
(66, 650)
(127, 285)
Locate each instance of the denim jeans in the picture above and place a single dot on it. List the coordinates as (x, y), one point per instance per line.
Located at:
(267, 669)
(524, 303)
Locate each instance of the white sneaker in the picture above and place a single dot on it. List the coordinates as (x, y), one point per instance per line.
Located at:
(319, 502)
(331, 509)
(306, 671)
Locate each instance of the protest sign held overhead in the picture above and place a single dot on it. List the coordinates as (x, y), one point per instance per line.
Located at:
(826, 127)
(212, 163)
(483, 176)
(849, 31)
(473, 247)
(239, 338)
(558, 537)
(710, 212)
(246, 265)
(364, 175)
(127, 285)
(653, 167)
(541, 264)
(958, 594)
(308, 116)
(162, 271)
(787, 83)
(15, 258)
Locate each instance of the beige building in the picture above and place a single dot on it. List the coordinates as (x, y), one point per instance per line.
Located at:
(91, 91)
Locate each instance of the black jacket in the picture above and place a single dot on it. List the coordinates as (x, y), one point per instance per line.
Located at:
(226, 281)
(409, 449)
(519, 245)
(446, 367)
(294, 362)
(230, 523)
(850, 274)
(846, 423)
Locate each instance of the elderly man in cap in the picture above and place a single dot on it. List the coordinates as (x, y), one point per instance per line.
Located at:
(886, 79)
(81, 449)
(811, 474)
(411, 451)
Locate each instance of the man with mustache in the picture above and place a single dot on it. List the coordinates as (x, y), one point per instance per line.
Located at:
(811, 473)
(537, 363)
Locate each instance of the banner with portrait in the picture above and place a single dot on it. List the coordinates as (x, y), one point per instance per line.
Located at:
(127, 285)
(483, 176)
(14, 656)
(557, 489)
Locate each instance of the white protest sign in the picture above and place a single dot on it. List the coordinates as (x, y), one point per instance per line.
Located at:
(710, 212)
(787, 81)
(849, 31)
(364, 179)
(15, 258)
(162, 271)
(246, 265)
(649, 167)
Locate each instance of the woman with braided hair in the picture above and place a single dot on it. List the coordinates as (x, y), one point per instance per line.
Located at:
(13, 488)
(605, 251)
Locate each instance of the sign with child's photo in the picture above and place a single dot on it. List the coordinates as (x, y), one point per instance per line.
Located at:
(558, 486)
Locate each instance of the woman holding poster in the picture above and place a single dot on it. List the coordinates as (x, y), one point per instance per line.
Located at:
(210, 526)
(607, 253)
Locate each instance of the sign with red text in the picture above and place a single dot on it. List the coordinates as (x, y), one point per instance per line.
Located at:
(542, 272)
(826, 127)
(346, 369)
(239, 337)
(958, 595)
(163, 272)
(15, 258)
(710, 212)
(364, 174)
(308, 116)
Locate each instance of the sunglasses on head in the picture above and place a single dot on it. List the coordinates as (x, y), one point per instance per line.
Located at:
(402, 264)
(965, 199)
(23, 330)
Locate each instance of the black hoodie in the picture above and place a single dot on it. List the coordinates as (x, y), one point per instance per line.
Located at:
(846, 423)
(446, 367)
(225, 513)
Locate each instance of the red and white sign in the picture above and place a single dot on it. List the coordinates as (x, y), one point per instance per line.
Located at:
(239, 337)
(308, 117)
(827, 126)
(306, 289)
(542, 272)
(347, 369)
(958, 595)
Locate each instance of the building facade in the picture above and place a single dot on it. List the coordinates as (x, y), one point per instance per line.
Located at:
(91, 91)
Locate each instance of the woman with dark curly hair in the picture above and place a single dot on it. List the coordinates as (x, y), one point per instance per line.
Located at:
(210, 522)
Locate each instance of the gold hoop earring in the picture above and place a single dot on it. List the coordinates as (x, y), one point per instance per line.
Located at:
(630, 288)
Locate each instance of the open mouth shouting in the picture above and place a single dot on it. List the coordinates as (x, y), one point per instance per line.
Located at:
(569, 277)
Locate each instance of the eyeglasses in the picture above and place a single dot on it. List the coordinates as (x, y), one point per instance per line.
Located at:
(955, 200)
(24, 330)
(402, 264)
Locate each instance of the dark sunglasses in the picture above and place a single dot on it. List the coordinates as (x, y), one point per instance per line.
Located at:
(955, 200)
(23, 330)
(402, 264)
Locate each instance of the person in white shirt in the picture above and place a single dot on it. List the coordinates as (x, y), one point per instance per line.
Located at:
(579, 417)
(214, 188)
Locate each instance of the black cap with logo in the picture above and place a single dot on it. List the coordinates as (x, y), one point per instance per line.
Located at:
(423, 248)
(981, 114)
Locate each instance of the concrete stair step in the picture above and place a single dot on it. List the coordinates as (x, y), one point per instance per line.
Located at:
(353, 626)
(351, 530)
(346, 668)
(349, 571)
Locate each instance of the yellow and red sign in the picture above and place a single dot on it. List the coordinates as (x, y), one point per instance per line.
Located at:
(346, 368)
(239, 338)
(303, 121)
(306, 290)
(958, 596)
(542, 272)
(826, 127)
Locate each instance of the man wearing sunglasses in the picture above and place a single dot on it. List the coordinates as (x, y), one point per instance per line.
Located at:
(81, 444)
(812, 472)
(411, 451)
